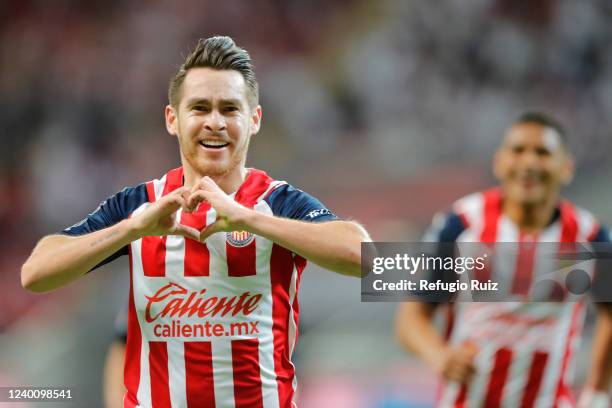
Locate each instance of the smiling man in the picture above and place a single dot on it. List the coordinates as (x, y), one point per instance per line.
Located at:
(216, 251)
(515, 354)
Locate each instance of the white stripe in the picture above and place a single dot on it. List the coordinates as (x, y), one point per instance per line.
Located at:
(484, 364)
(176, 373)
(175, 270)
(552, 372)
(518, 375)
(158, 187)
(449, 395)
(144, 385)
(292, 322)
(223, 372)
(266, 336)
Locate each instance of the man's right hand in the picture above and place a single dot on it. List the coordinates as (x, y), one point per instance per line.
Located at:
(456, 363)
(161, 217)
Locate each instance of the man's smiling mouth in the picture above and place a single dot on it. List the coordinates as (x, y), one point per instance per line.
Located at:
(213, 144)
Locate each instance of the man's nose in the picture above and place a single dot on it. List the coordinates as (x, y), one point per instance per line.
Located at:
(215, 122)
(530, 159)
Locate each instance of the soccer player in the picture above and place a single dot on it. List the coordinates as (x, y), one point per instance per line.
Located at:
(216, 251)
(515, 354)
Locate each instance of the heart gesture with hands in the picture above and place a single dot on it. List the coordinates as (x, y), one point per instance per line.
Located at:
(231, 216)
(161, 218)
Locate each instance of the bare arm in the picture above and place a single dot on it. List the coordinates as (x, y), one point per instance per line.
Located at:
(334, 245)
(114, 389)
(58, 260)
(415, 331)
(601, 358)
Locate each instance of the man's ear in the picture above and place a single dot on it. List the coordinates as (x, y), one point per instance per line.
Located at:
(171, 120)
(256, 120)
(567, 173)
(497, 164)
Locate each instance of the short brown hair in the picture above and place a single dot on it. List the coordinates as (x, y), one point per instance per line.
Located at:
(222, 53)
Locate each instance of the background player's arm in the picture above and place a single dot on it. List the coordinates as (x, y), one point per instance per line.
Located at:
(601, 359)
(114, 389)
(58, 260)
(415, 331)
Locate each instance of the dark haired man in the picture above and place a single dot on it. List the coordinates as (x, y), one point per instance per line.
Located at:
(216, 252)
(515, 354)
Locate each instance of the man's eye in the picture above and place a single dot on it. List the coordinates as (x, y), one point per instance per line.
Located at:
(199, 108)
(230, 109)
(542, 152)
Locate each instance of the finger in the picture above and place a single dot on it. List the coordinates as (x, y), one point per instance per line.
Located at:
(196, 198)
(186, 231)
(209, 230)
(169, 204)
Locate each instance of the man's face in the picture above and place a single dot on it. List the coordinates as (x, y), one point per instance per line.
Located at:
(213, 121)
(532, 163)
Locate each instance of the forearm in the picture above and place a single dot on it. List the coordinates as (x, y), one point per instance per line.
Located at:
(416, 333)
(113, 376)
(334, 245)
(601, 359)
(58, 260)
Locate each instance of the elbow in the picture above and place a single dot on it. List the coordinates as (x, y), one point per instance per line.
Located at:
(29, 280)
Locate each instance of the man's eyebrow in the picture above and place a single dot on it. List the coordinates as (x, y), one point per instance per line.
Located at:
(229, 101)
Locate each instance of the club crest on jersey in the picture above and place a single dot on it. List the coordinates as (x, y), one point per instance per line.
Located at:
(239, 239)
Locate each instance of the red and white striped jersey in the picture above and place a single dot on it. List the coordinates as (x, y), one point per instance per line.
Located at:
(211, 324)
(526, 349)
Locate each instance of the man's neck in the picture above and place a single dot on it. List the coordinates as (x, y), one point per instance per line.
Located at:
(530, 217)
(229, 182)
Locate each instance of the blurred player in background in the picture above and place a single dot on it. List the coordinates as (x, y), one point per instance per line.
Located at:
(482, 365)
(113, 387)
(216, 251)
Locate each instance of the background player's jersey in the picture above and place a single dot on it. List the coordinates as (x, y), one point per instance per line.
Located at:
(525, 349)
(211, 324)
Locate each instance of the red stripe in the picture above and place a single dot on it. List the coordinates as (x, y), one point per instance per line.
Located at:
(256, 183)
(460, 401)
(281, 269)
(241, 260)
(197, 255)
(569, 223)
(151, 192)
(199, 374)
(495, 390)
(247, 377)
(158, 368)
(534, 381)
(492, 211)
(523, 269)
(131, 370)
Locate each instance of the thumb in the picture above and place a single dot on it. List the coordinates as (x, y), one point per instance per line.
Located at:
(209, 230)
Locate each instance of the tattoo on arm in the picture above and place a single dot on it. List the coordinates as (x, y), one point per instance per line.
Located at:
(104, 238)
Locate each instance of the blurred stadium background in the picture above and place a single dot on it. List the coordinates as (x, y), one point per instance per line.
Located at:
(387, 110)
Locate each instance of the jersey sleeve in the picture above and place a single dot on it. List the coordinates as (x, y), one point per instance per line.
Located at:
(602, 280)
(289, 202)
(110, 211)
(439, 239)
